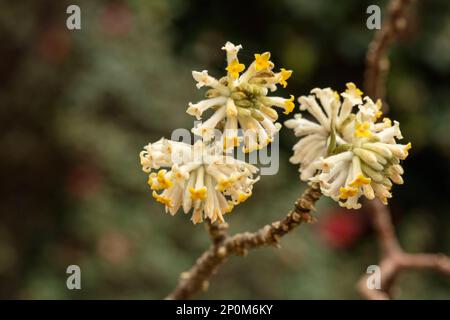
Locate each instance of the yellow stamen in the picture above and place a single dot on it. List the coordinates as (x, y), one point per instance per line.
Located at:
(360, 180)
(234, 68)
(262, 61)
(230, 142)
(162, 199)
(229, 208)
(351, 88)
(285, 74)
(225, 184)
(199, 194)
(347, 192)
(251, 148)
(383, 200)
(243, 196)
(289, 104)
(362, 129)
(407, 148)
(162, 181)
(178, 175)
(379, 113)
(336, 96)
(151, 177)
(387, 121)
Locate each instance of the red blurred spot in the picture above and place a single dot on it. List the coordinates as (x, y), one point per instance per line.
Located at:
(116, 19)
(54, 44)
(83, 180)
(341, 228)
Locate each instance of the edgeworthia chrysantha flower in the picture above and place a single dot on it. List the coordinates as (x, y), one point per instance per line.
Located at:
(198, 177)
(347, 150)
(240, 100)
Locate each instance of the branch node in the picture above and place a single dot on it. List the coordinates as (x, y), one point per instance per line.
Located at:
(222, 252)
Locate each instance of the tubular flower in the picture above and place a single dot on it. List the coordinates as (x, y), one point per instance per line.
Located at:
(197, 177)
(241, 101)
(347, 150)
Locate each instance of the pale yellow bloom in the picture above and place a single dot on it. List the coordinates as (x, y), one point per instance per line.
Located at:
(198, 178)
(346, 150)
(241, 101)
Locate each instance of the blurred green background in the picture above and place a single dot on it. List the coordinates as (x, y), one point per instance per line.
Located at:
(76, 108)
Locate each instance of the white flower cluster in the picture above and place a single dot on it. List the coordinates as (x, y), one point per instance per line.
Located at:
(241, 101)
(199, 177)
(347, 150)
(203, 177)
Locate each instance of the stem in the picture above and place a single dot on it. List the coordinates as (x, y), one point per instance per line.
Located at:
(197, 278)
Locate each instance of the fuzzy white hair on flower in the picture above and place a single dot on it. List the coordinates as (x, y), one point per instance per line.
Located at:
(241, 101)
(347, 150)
(198, 177)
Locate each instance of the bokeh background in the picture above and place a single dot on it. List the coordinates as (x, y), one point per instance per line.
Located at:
(76, 108)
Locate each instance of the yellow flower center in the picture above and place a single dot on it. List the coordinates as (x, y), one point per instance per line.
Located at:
(161, 181)
(161, 199)
(225, 184)
(352, 89)
(234, 68)
(360, 180)
(347, 192)
(362, 130)
(199, 194)
(243, 196)
(289, 104)
(285, 74)
(262, 61)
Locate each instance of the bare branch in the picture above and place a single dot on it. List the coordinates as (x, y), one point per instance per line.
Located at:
(217, 232)
(393, 259)
(377, 54)
(382, 223)
(196, 279)
(394, 263)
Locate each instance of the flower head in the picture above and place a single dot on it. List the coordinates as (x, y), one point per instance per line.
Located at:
(347, 150)
(240, 100)
(197, 177)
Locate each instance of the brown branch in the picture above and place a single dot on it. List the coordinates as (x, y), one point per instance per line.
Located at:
(393, 259)
(196, 279)
(217, 232)
(377, 55)
(384, 228)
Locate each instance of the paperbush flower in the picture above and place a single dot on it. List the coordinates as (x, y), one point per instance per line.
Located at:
(347, 150)
(240, 100)
(198, 177)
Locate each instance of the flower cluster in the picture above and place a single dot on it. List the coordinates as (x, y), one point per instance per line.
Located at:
(203, 177)
(241, 101)
(198, 177)
(347, 150)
